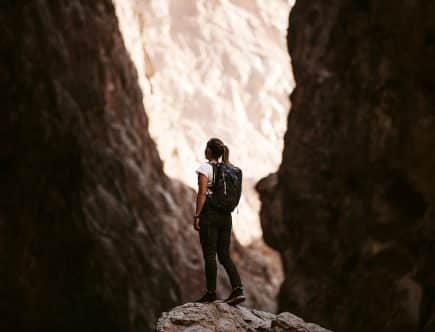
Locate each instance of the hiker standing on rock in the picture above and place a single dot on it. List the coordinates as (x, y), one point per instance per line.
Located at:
(219, 190)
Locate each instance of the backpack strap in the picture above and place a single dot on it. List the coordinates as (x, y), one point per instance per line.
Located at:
(213, 166)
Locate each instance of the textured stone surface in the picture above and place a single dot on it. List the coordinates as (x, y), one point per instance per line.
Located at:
(87, 216)
(219, 316)
(351, 208)
(214, 68)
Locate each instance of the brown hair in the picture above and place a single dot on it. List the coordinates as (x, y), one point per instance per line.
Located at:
(219, 149)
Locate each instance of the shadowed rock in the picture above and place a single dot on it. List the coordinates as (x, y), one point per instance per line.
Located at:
(351, 209)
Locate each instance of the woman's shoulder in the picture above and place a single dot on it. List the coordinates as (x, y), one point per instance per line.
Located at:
(204, 166)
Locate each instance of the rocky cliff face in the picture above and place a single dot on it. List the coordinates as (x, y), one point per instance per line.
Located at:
(351, 208)
(87, 216)
(222, 317)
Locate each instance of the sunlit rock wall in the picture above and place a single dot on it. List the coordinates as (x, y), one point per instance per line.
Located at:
(352, 207)
(214, 68)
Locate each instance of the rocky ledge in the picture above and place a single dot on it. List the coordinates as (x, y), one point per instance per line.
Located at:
(219, 316)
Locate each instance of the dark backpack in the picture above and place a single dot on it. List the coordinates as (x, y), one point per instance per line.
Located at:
(226, 187)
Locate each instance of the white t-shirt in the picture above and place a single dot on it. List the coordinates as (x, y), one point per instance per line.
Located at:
(206, 169)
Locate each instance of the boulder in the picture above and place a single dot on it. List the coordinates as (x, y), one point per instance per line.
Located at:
(219, 316)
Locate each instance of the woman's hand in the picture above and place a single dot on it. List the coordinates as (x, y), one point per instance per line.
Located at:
(196, 223)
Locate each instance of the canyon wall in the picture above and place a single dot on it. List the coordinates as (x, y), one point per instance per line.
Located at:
(351, 209)
(93, 234)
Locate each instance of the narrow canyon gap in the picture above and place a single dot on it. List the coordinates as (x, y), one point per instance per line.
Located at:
(214, 69)
(217, 68)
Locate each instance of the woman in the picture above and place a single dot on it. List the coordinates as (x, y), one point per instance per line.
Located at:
(215, 227)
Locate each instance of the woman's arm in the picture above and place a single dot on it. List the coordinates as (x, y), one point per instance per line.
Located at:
(200, 197)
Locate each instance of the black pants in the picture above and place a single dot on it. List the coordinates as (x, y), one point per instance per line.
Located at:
(215, 236)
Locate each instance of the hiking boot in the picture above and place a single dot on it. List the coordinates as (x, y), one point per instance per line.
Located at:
(236, 296)
(207, 297)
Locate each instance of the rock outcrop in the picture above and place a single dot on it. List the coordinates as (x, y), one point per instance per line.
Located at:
(219, 316)
(351, 208)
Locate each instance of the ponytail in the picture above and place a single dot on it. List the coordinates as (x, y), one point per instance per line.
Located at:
(219, 149)
(225, 154)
